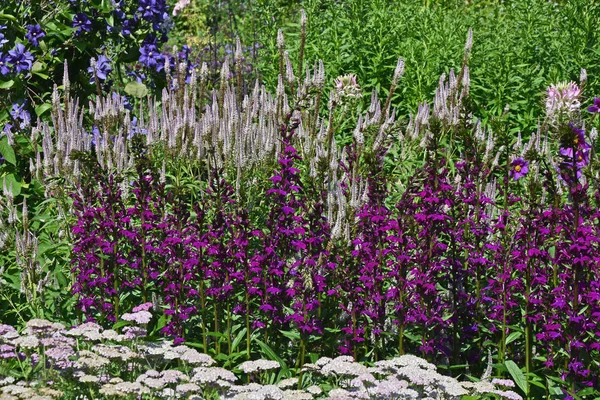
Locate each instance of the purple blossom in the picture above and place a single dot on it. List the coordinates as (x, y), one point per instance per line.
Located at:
(595, 108)
(20, 58)
(34, 34)
(3, 40)
(153, 10)
(151, 57)
(128, 25)
(4, 66)
(101, 69)
(20, 115)
(520, 168)
(82, 23)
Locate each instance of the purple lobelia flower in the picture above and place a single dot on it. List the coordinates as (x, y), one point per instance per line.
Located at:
(520, 168)
(82, 23)
(595, 108)
(151, 57)
(20, 58)
(101, 69)
(4, 64)
(34, 34)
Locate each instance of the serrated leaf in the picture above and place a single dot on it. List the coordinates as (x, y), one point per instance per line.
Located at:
(136, 89)
(7, 151)
(42, 108)
(7, 84)
(517, 375)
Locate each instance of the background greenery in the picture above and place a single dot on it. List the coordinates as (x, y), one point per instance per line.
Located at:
(520, 47)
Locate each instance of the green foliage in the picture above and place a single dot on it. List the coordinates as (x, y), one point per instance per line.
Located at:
(520, 47)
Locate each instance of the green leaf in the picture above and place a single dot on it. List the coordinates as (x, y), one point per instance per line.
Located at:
(8, 17)
(120, 324)
(238, 339)
(37, 66)
(513, 336)
(41, 75)
(291, 334)
(7, 84)
(517, 375)
(136, 89)
(7, 151)
(42, 108)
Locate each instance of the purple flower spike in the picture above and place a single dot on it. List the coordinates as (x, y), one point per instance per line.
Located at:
(596, 107)
(520, 168)
(34, 34)
(20, 58)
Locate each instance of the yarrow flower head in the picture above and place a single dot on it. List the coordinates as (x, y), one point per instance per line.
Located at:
(35, 34)
(141, 317)
(520, 168)
(562, 98)
(347, 87)
(595, 108)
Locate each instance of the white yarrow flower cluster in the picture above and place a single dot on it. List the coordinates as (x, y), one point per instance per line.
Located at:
(250, 367)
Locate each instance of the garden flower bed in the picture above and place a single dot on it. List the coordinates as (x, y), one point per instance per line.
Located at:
(184, 233)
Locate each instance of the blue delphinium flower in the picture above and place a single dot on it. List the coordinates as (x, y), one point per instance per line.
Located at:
(20, 115)
(102, 69)
(4, 68)
(34, 34)
(20, 58)
(82, 23)
(151, 57)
